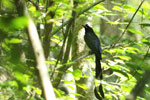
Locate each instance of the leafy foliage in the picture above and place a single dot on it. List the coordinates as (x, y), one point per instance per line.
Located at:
(18, 75)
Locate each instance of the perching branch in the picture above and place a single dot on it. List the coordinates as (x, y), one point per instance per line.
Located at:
(129, 23)
(84, 55)
(78, 14)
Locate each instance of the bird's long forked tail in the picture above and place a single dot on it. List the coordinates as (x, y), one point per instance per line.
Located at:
(101, 90)
(97, 95)
(98, 71)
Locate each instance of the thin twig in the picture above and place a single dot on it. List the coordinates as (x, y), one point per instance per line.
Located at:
(129, 23)
(89, 7)
(146, 53)
(63, 26)
(62, 48)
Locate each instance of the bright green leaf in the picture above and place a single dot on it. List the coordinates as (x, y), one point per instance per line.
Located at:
(83, 86)
(13, 41)
(117, 8)
(32, 8)
(20, 22)
(38, 91)
(136, 31)
(77, 74)
(76, 94)
(127, 58)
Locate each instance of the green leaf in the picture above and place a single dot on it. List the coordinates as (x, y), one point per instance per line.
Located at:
(52, 62)
(116, 3)
(77, 74)
(133, 50)
(6, 47)
(27, 88)
(127, 58)
(55, 40)
(118, 67)
(101, 7)
(136, 31)
(116, 50)
(70, 86)
(78, 95)
(129, 8)
(38, 91)
(58, 92)
(13, 41)
(122, 73)
(68, 82)
(20, 22)
(117, 8)
(83, 86)
(19, 76)
(32, 8)
(146, 5)
(145, 24)
(7, 3)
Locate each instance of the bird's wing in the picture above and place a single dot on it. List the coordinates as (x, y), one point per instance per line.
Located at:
(93, 43)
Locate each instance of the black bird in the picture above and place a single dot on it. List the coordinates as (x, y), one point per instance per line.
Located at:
(93, 43)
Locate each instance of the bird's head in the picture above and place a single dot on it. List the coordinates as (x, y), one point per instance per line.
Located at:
(87, 28)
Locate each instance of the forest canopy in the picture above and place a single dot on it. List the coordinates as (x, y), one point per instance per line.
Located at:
(43, 54)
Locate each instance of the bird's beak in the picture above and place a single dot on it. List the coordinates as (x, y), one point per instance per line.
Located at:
(84, 26)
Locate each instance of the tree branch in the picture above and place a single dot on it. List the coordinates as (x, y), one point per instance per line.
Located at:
(38, 51)
(40, 59)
